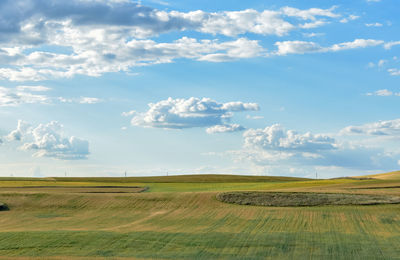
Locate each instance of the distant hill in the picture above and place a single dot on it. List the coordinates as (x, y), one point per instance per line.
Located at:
(198, 178)
(385, 176)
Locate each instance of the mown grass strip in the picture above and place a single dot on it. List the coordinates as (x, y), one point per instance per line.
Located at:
(300, 199)
(211, 245)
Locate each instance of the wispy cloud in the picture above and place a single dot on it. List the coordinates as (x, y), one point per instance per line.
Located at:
(29, 95)
(383, 93)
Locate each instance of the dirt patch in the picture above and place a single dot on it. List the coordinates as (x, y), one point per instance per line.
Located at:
(298, 199)
(3, 207)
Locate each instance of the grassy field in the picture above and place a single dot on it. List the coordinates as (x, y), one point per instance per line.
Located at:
(180, 218)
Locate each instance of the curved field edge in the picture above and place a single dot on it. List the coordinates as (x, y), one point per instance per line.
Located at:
(301, 199)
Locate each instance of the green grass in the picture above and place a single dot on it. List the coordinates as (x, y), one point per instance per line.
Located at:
(185, 221)
(212, 245)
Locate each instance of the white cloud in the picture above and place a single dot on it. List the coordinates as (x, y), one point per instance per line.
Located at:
(28, 95)
(351, 17)
(373, 24)
(189, 113)
(254, 117)
(224, 128)
(119, 39)
(310, 14)
(86, 59)
(313, 24)
(240, 106)
(33, 88)
(358, 43)
(383, 93)
(275, 137)
(234, 23)
(301, 47)
(394, 72)
(81, 100)
(22, 74)
(381, 128)
(381, 63)
(92, 44)
(14, 97)
(313, 34)
(297, 47)
(389, 45)
(17, 134)
(48, 140)
(125, 55)
(89, 100)
(129, 113)
(274, 146)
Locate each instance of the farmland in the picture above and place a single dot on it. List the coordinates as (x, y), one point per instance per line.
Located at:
(179, 217)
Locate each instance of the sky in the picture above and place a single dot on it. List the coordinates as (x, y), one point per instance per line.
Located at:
(156, 87)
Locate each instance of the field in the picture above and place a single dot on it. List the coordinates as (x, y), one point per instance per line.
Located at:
(179, 217)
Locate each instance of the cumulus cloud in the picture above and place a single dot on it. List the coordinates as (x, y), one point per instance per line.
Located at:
(275, 145)
(22, 129)
(48, 140)
(191, 112)
(275, 137)
(381, 128)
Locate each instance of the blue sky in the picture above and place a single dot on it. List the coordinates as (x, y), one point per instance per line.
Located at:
(97, 88)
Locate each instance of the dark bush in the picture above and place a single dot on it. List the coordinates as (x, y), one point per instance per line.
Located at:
(3, 207)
